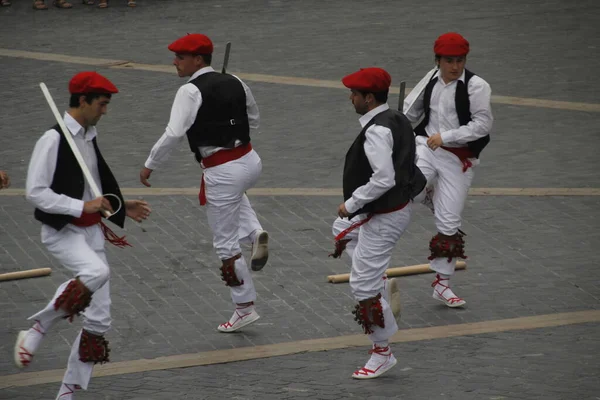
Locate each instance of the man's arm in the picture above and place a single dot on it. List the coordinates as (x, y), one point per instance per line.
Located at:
(40, 175)
(183, 114)
(481, 115)
(251, 107)
(379, 145)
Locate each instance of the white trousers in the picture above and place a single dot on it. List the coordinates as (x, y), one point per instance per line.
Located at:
(341, 224)
(371, 250)
(81, 251)
(231, 217)
(444, 170)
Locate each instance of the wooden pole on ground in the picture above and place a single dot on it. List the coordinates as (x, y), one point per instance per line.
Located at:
(31, 273)
(397, 271)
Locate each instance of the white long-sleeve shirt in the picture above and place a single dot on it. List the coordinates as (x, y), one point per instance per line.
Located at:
(43, 164)
(188, 101)
(443, 118)
(379, 145)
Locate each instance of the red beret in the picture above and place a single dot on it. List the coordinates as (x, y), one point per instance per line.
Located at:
(91, 82)
(451, 44)
(368, 80)
(195, 43)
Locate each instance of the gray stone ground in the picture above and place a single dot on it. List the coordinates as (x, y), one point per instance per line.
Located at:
(491, 367)
(528, 255)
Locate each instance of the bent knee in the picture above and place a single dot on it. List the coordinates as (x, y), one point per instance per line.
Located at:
(99, 324)
(365, 287)
(448, 227)
(339, 225)
(101, 273)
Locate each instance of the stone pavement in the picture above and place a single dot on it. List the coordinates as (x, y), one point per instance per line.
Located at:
(324, 40)
(491, 367)
(527, 255)
(168, 299)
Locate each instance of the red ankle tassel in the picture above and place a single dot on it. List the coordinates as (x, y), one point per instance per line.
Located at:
(112, 237)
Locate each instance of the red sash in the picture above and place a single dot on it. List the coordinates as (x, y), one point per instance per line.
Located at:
(92, 219)
(463, 154)
(87, 219)
(218, 158)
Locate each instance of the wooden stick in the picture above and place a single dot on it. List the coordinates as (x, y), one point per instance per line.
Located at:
(226, 59)
(401, 95)
(31, 273)
(397, 271)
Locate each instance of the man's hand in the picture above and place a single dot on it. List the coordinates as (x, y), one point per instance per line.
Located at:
(145, 175)
(4, 180)
(342, 212)
(435, 141)
(137, 210)
(99, 204)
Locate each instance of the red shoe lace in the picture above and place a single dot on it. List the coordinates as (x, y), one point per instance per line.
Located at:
(72, 390)
(364, 371)
(377, 350)
(239, 317)
(380, 350)
(22, 354)
(35, 327)
(438, 281)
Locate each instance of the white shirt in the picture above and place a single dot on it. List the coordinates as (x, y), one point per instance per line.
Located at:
(443, 117)
(379, 145)
(188, 101)
(43, 164)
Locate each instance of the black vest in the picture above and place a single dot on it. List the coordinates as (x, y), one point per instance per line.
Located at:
(68, 179)
(462, 104)
(222, 118)
(410, 181)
